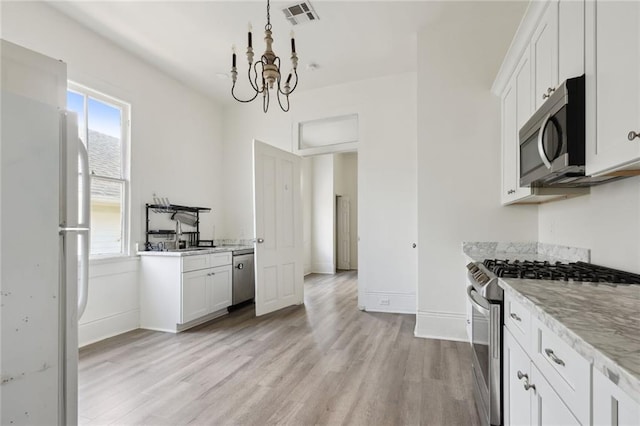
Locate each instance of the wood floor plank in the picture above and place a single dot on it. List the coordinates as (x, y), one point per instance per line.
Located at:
(324, 362)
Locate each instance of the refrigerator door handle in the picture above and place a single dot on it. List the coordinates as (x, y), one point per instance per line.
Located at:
(84, 222)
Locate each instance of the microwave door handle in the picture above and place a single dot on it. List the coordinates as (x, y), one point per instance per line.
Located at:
(475, 303)
(543, 155)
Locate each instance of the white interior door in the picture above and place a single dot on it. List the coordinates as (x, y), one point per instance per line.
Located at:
(278, 228)
(344, 240)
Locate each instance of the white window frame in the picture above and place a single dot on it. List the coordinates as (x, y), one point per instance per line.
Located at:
(125, 139)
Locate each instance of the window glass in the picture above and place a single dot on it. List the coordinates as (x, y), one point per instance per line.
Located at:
(106, 216)
(105, 131)
(100, 125)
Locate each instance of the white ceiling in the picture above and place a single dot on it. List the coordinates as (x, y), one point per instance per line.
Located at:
(191, 40)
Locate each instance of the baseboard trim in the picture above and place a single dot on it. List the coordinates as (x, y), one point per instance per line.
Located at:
(395, 303)
(323, 268)
(441, 325)
(103, 328)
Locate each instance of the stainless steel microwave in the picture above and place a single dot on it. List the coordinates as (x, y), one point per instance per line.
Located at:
(552, 141)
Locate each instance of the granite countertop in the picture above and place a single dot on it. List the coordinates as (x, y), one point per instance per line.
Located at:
(479, 251)
(600, 321)
(195, 251)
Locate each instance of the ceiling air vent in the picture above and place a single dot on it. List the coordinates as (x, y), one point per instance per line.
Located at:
(300, 12)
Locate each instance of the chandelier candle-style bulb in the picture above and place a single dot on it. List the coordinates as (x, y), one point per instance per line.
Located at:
(267, 70)
(233, 55)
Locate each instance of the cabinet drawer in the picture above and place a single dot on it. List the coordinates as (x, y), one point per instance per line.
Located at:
(565, 369)
(194, 263)
(220, 259)
(517, 319)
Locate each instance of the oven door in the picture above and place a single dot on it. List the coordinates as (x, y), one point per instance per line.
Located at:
(487, 354)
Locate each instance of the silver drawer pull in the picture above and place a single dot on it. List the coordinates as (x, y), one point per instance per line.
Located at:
(553, 356)
(521, 375)
(632, 135)
(515, 317)
(528, 386)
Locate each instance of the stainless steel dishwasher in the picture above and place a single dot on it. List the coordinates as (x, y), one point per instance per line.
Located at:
(243, 283)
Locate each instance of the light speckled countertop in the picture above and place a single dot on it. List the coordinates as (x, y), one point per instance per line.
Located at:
(601, 322)
(194, 251)
(479, 251)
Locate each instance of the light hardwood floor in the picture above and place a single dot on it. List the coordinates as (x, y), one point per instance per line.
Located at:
(324, 362)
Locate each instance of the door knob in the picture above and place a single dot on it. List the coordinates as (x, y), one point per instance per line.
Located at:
(632, 135)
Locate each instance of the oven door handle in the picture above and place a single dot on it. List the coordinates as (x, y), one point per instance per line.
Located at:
(543, 155)
(478, 303)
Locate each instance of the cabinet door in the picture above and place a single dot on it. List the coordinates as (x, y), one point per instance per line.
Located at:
(194, 295)
(516, 373)
(570, 39)
(524, 111)
(547, 408)
(613, 84)
(220, 287)
(509, 145)
(544, 51)
(611, 406)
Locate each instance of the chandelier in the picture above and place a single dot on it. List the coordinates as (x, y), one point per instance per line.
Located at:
(269, 67)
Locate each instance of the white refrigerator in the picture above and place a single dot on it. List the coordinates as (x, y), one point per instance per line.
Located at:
(44, 236)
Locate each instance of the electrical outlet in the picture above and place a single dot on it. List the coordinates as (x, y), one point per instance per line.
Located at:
(385, 301)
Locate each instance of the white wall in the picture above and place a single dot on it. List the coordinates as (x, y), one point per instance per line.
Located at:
(323, 216)
(175, 143)
(346, 185)
(607, 221)
(386, 181)
(459, 157)
(307, 191)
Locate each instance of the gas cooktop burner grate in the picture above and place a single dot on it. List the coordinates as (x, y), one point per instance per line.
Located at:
(578, 271)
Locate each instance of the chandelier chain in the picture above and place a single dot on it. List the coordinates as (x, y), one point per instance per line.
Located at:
(268, 26)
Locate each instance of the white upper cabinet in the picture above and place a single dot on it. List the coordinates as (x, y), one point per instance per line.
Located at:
(516, 110)
(570, 39)
(612, 65)
(544, 53)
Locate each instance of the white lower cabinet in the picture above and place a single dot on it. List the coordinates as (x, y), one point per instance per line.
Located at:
(611, 406)
(195, 286)
(517, 370)
(529, 399)
(547, 382)
(177, 293)
(547, 409)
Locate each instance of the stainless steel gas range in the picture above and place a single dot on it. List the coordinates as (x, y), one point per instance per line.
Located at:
(486, 298)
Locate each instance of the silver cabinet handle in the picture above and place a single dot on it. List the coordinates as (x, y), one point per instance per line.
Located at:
(511, 191)
(550, 90)
(632, 135)
(414, 245)
(515, 317)
(259, 240)
(526, 385)
(211, 274)
(553, 356)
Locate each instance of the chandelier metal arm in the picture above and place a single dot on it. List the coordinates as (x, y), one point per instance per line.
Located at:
(241, 100)
(265, 99)
(280, 102)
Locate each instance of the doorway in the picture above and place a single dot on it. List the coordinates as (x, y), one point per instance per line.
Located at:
(330, 193)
